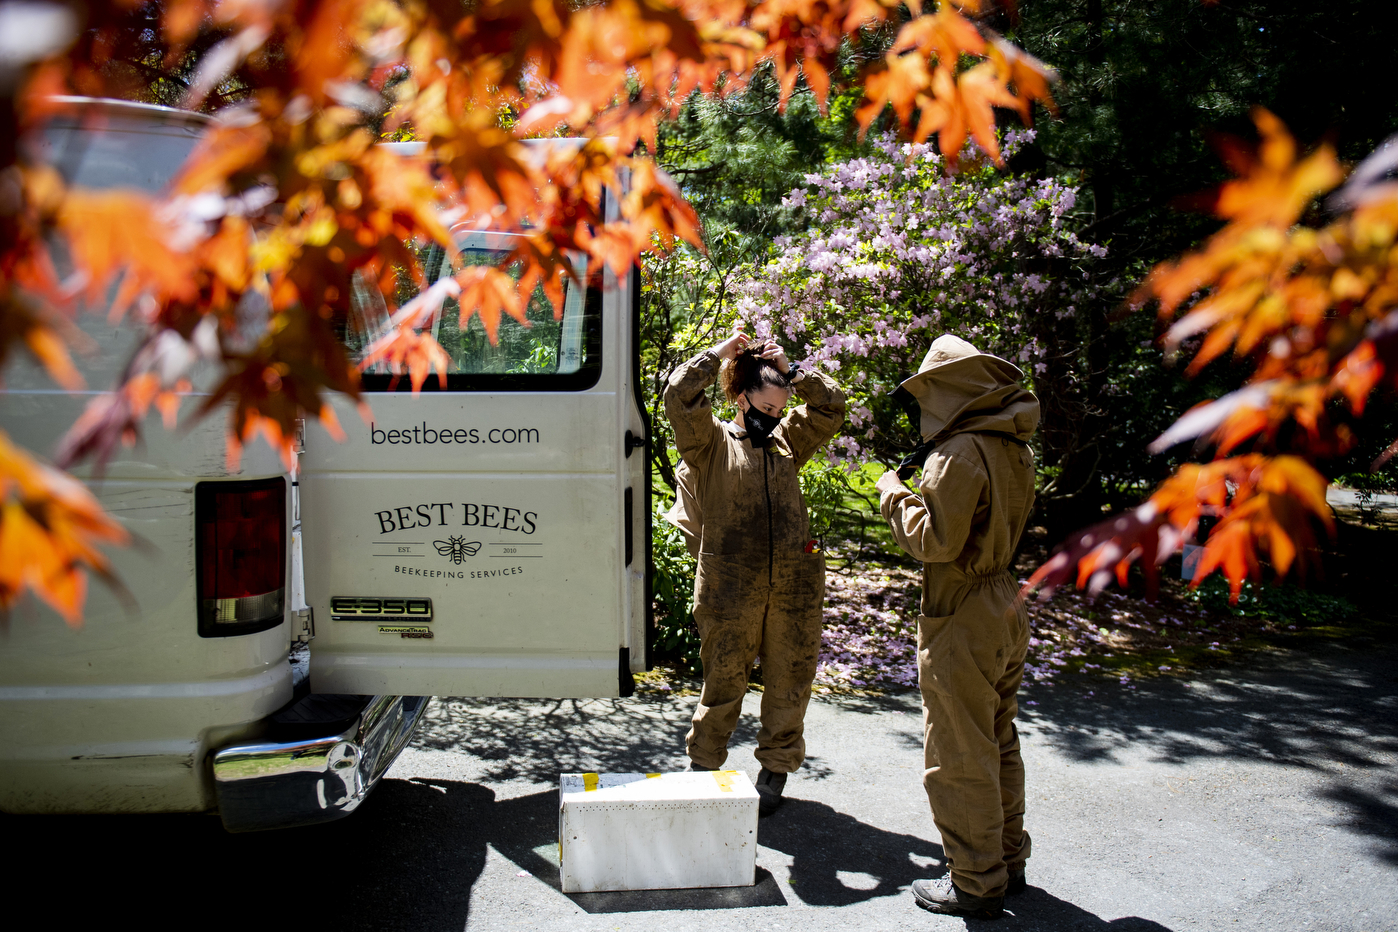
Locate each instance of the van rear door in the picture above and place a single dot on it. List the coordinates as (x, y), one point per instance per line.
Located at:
(486, 537)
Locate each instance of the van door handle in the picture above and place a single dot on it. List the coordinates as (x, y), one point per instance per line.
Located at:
(632, 442)
(628, 517)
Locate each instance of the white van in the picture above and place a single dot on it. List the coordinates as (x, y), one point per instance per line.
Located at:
(488, 537)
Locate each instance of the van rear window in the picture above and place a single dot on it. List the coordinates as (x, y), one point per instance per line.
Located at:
(547, 355)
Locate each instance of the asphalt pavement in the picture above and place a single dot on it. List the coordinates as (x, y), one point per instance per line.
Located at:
(1262, 796)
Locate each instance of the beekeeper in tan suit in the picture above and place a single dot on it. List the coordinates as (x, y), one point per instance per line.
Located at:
(761, 579)
(964, 523)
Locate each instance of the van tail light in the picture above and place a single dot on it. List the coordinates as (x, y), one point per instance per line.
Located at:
(240, 534)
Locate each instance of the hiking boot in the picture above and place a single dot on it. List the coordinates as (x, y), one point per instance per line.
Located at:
(1017, 883)
(769, 791)
(943, 896)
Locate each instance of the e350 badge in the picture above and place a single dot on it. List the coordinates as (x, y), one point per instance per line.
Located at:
(405, 617)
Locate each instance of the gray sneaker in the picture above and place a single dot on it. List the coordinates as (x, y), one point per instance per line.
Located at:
(943, 896)
(769, 791)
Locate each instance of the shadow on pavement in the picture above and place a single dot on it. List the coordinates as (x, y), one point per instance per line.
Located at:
(410, 857)
(564, 735)
(1035, 909)
(407, 859)
(637, 735)
(1330, 708)
(1374, 813)
(1330, 705)
(838, 860)
(764, 893)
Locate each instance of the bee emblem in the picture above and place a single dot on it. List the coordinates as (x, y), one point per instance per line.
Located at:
(457, 548)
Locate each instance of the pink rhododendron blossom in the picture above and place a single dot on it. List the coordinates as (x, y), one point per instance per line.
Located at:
(896, 252)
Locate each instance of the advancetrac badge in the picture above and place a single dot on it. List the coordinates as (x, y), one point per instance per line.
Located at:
(369, 608)
(407, 631)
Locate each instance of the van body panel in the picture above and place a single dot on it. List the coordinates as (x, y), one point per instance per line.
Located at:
(149, 635)
(637, 585)
(511, 562)
(115, 715)
(193, 450)
(118, 144)
(514, 529)
(126, 750)
(556, 673)
(119, 713)
(147, 777)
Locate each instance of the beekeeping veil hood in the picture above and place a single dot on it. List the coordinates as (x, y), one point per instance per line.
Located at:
(958, 388)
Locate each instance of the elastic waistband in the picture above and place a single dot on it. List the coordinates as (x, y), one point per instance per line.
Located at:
(984, 579)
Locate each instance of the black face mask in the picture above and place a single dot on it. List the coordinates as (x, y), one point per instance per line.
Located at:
(914, 460)
(910, 407)
(759, 425)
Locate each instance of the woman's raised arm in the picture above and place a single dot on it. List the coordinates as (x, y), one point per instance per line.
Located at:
(687, 401)
(813, 423)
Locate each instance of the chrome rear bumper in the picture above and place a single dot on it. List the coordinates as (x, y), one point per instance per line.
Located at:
(289, 781)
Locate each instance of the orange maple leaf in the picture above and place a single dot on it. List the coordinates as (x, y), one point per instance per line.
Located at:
(50, 530)
(114, 231)
(1275, 187)
(487, 291)
(1263, 505)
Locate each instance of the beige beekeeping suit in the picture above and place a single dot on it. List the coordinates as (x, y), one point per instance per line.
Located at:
(757, 590)
(972, 504)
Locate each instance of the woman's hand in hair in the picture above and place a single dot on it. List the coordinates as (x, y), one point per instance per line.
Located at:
(732, 346)
(777, 355)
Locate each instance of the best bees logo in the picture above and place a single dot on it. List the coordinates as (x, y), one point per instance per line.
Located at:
(457, 549)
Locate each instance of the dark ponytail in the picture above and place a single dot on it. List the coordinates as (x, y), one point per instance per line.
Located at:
(748, 371)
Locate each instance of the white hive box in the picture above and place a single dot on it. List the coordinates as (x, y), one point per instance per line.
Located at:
(657, 831)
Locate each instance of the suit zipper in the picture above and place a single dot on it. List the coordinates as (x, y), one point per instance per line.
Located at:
(767, 489)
